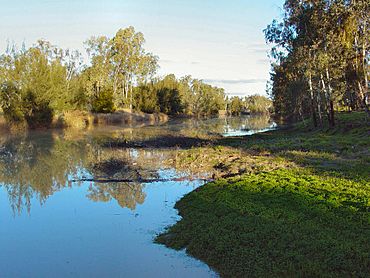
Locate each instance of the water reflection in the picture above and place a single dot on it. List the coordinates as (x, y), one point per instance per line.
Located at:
(242, 126)
(79, 223)
(228, 126)
(38, 164)
(128, 195)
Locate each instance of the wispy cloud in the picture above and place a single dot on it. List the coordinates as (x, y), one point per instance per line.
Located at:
(260, 50)
(236, 81)
(241, 94)
(253, 47)
(263, 61)
(166, 61)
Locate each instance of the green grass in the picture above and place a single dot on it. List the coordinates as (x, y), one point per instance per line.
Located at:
(280, 223)
(308, 218)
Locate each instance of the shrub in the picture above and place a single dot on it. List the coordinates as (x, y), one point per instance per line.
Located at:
(20, 108)
(10, 100)
(146, 99)
(103, 102)
(37, 113)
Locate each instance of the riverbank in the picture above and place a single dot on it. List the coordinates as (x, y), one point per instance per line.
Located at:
(292, 202)
(84, 120)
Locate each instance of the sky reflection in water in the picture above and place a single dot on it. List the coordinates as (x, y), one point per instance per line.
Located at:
(52, 227)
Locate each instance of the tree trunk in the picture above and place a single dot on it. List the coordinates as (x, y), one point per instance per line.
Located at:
(331, 114)
(130, 96)
(330, 101)
(319, 110)
(314, 119)
(326, 96)
(365, 97)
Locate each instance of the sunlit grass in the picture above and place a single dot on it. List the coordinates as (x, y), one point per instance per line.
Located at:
(293, 202)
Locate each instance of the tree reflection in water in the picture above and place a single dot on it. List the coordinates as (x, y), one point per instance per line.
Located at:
(122, 164)
(127, 194)
(38, 164)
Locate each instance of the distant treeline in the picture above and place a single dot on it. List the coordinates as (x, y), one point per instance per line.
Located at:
(39, 82)
(321, 53)
(255, 104)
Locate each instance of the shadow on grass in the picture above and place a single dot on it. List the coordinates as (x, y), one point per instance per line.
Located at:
(268, 227)
(335, 153)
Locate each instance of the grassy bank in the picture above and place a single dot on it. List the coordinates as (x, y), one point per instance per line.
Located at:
(292, 202)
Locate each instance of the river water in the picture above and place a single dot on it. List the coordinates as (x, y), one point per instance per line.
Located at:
(65, 211)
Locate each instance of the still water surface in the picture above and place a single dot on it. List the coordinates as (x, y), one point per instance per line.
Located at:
(54, 224)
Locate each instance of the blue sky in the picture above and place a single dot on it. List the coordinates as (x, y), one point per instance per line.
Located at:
(219, 41)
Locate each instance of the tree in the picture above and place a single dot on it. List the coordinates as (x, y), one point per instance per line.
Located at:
(318, 43)
(44, 80)
(235, 106)
(258, 104)
(130, 63)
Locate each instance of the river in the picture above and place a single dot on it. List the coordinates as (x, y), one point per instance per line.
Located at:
(65, 210)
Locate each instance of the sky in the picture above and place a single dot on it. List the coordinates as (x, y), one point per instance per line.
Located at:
(218, 41)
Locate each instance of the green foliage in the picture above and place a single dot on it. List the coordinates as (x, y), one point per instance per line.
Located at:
(20, 107)
(321, 59)
(103, 102)
(258, 104)
(179, 96)
(207, 100)
(37, 113)
(235, 106)
(37, 82)
(145, 99)
(11, 100)
(120, 73)
(255, 104)
(120, 63)
(169, 101)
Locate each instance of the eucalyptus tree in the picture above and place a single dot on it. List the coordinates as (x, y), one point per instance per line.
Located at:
(235, 106)
(97, 77)
(186, 94)
(325, 44)
(294, 51)
(359, 34)
(208, 100)
(130, 62)
(257, 104)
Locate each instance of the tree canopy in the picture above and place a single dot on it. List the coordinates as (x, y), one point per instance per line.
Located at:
(321, 58)
(43, 80)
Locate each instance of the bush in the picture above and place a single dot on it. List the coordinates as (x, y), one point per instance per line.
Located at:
(20, 108)
(103, 102)
(169, 101)
(11, 100)
(146, 99)
(37, 113)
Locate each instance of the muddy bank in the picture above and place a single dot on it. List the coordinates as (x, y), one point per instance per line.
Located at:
(161, 142)
(125, 117)
(84, 120)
